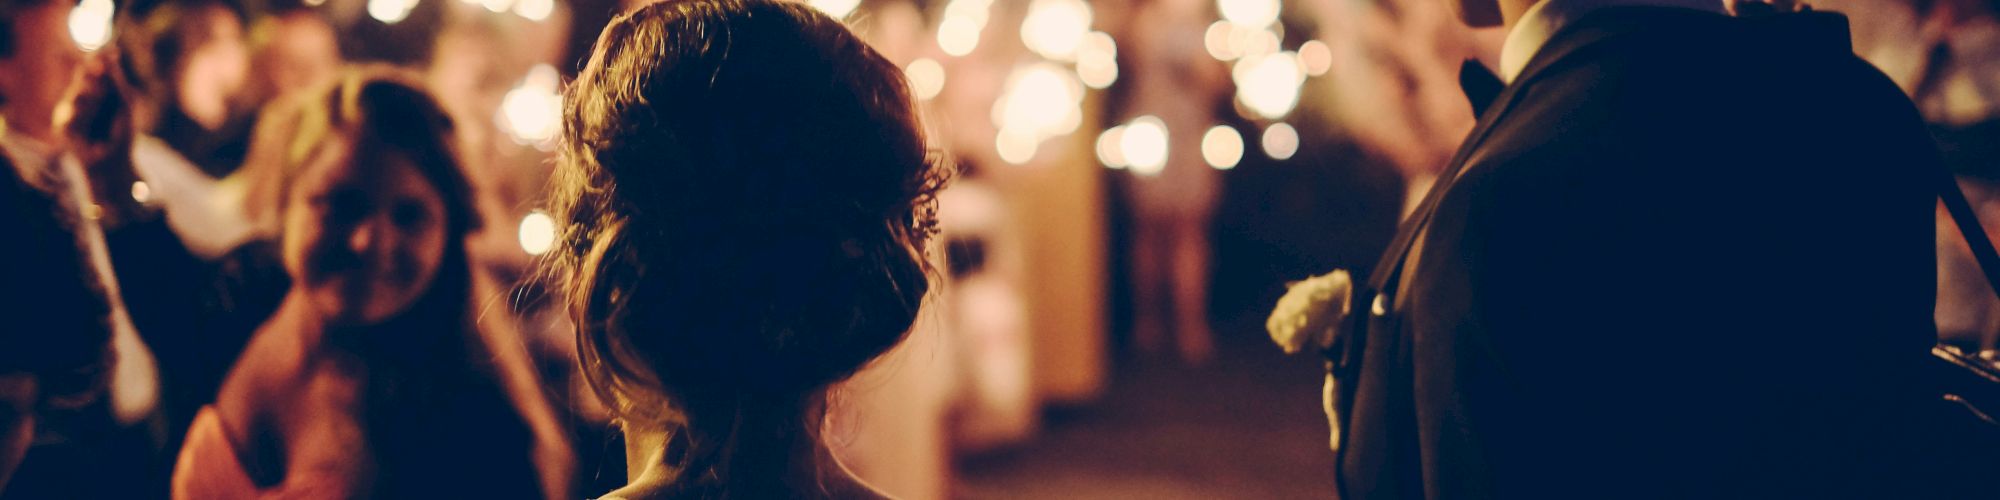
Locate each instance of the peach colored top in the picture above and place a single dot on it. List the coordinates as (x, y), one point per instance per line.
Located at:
(208, 468)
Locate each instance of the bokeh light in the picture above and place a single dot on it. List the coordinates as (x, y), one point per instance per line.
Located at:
(535, 10)
(1040, 99)
(537, 233)
(1216, 40)
(90, 24)
(1016, 146)
(1269, 85)
(1281, 141)
(964, 20)
(1055, 29)
(1222, 147)
(1315, 57)
(1110, 147)
(390, 11)
(532, 112)
(1251, 13)
(1097, 60)
(1144, 145)
(926, 77)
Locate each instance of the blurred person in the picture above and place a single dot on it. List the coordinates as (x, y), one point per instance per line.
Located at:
(199, 276)
(745, 196)
(41, 72)
(374, 378)
(69, 332)
(292, 47)
(55, 346)
(1392, 81)
(54, 350)
(1681, 254)
(183, 68)
(189, 65)
(1174, 207)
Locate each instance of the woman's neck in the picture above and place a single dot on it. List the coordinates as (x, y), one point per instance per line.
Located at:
(760, 456)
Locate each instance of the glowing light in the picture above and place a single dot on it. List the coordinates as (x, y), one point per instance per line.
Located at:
(532, 112)
(1016, 146)
(1144, 144)
(141, 192)
(837, 9)
(926, 77)
(1315, 57)
(90, 24)
(1056, 28)
(315, 3)
(1281, 141)
(1251, 13)
(536, 10)
(1040, 98)
(497, 6)
(959, 32)
(1217, 41)
(1097, 60)
(391, 11)
(538, 233)
(1269, 85)
(1039, 101)
(958, 36)
(1222, 147)
(1257, 43)
(1111, 147)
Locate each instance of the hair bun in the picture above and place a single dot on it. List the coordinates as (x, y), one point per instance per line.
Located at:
(747, 193)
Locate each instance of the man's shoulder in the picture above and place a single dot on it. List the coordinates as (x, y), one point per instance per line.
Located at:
(1677, 52)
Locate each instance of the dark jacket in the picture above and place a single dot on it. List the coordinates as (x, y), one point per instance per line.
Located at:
(1682, 255)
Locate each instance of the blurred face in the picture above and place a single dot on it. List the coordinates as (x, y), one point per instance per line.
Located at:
(44, 72)
(302, 52)
(364, 233)
(215, 70)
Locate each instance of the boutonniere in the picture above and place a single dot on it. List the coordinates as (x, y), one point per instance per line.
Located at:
(1312, 312)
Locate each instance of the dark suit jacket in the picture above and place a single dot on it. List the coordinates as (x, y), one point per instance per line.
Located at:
(1682, 255)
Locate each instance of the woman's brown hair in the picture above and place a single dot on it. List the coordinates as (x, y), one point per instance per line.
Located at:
(745, 193)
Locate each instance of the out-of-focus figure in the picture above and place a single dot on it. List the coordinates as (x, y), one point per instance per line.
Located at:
(372, 379)
(201, 274)
(185, 66)
(293, 47)
(746, 195)
(189, 64)
(1174, 80)
(1393, 80)
(70, 296)
(55, 347)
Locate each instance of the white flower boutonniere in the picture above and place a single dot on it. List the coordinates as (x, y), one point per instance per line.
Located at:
(1312, 312)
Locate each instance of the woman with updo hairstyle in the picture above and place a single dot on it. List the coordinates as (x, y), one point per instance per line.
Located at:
(374, 378)
(745, 196)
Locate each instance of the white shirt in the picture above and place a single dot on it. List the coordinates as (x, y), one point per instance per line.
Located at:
(1541, 23)
(203, 211)
(135, 386)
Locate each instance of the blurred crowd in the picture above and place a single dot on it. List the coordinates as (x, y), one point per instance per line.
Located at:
(185, 174)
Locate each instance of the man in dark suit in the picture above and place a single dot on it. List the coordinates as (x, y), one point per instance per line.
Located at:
(1683, 254)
